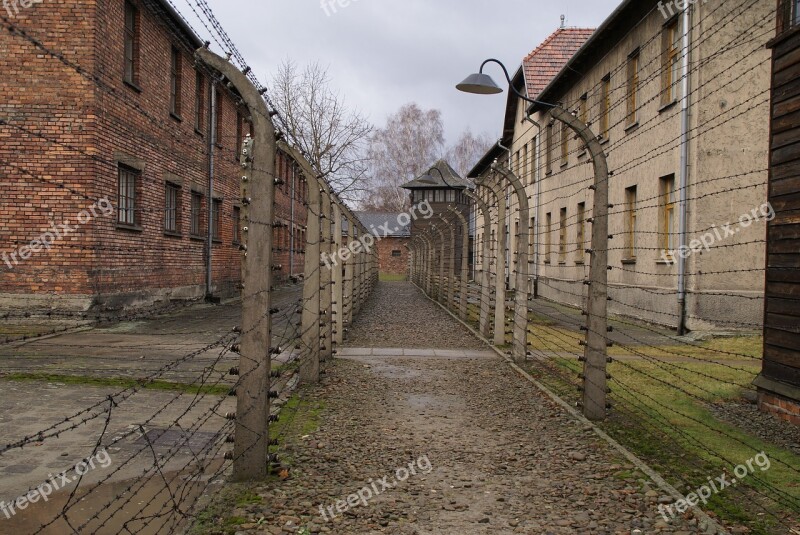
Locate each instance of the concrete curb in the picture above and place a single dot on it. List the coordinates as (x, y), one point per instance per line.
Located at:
(707, 524)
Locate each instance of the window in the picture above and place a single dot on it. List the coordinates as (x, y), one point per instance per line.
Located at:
(562, 236)
(581, 233)
(171, 196)
(532, 239)
(196, 214)
(548, 230)
(630, 223)
(549, 149)
(199, 102)
(218, 122)
(789, 15)
(668, 218)
(175, 82)
(583, 115)
(126, 195)
(633, 88)
(670, 62)
(396, 253)
(451, 195)
(216, 210)
(237, 221)
(564, 144)
(239, 129)
(605, 106)
(524, 170)
(583, 108)
(131, 45)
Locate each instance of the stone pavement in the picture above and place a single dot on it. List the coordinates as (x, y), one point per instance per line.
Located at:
(178, 425)
(444, 438)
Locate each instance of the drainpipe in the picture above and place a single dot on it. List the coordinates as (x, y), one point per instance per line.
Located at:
(684, 168)
(212, 142)
(536, 214)
(291, 222)
(508, 242)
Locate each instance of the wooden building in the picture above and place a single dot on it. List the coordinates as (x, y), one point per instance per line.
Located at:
(779, 382)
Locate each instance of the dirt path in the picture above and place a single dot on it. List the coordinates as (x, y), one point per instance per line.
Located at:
(479, 449)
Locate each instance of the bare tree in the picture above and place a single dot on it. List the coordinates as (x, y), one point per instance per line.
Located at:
(468, 150)
(411, 141)
(332, 136)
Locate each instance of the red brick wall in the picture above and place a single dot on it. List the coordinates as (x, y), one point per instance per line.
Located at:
(95, 127)
(294, 190)
(38, 92)
(783, 408)
(395, 265)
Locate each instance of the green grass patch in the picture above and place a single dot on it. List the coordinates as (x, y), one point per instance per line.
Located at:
(298, 417)
(662, 399)
(118, 382)
(217, 517)
(391, 277)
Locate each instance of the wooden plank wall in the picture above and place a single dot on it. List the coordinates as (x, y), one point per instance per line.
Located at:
(782, 303)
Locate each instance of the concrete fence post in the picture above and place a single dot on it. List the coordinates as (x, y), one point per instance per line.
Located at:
(500, 264)
(486, 277)
(251, 440)
(464, 282)
(520, 345)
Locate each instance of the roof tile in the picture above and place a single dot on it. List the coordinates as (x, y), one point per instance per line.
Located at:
(547, 60)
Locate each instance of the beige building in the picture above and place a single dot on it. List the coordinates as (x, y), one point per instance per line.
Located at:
(698, 156)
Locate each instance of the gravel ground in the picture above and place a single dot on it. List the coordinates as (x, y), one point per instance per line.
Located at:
(490, 454)
(398, 315)
(767, 427)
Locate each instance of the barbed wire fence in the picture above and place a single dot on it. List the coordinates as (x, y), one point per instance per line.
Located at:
(166, 435)
(684, 403)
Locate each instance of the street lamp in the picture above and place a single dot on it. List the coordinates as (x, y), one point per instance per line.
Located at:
(594, 389)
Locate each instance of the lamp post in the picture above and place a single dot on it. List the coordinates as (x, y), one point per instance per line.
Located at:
(595, 356)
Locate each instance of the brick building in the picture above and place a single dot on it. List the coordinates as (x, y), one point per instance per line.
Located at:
(123, 118)
(393, 256)
(291, 217)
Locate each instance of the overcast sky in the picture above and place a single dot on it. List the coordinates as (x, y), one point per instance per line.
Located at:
(383, 54)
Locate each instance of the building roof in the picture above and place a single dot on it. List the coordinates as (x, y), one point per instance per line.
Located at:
(384, 224)
(626, 17)
(538, 69)
(454, 181)
(547, 59)
(164, 9)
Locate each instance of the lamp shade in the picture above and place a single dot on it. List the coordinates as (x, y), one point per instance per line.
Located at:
(480, 84)
(427, 179)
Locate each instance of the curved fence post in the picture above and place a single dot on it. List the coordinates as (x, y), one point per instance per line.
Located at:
(520, 345)
(486, 276)
(500, 264)
(464, 282)
(251, 439)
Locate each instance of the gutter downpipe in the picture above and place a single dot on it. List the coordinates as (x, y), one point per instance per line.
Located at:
(508, 241)
(684, 169)
(291, 221)
(212, 142)
(536, 177)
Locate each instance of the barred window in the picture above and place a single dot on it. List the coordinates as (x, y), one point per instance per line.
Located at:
(126, 195)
